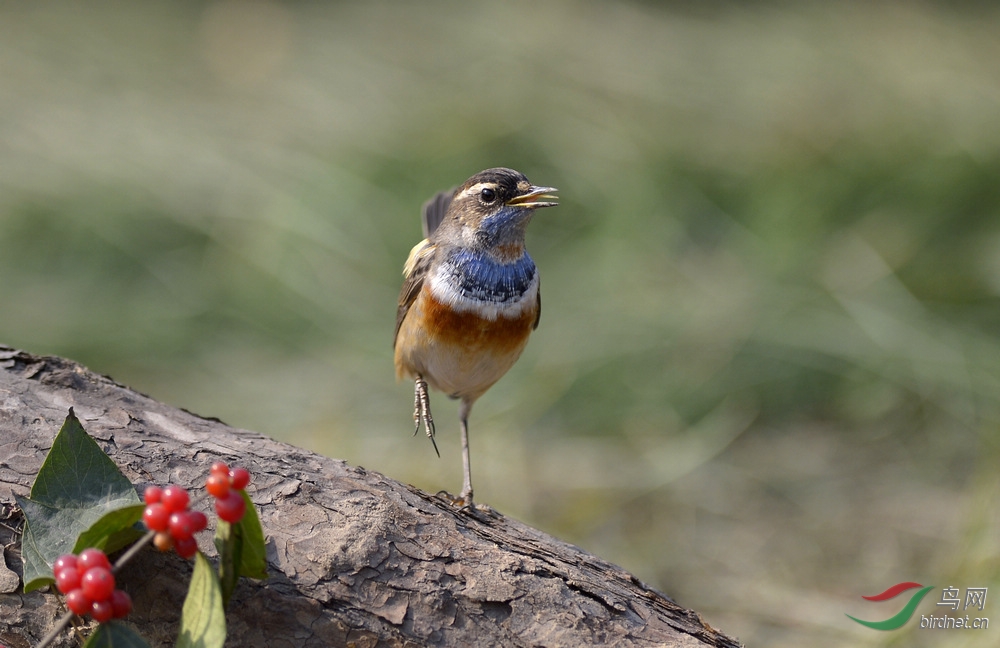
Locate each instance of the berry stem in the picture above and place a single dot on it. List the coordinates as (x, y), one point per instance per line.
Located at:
(132, 551)
(56, 630)
(66, 618)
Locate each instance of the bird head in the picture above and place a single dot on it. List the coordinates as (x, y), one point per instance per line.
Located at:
(491, 210)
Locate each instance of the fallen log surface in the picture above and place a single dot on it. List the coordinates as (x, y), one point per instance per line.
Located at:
(354, 558)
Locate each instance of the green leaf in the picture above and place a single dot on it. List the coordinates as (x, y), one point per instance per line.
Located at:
(229, 543)
(203, 619)
(78, 490)
(113, 531)
(44, 539)
(115, 635)
(77, 474)
(51, 532)
(253, 558)
(241, 549)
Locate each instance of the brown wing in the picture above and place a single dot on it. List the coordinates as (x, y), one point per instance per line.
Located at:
(414, 273)
(434, 210)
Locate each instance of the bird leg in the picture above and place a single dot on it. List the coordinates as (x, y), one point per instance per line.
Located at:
(422, 411)
(463, 415)
(464, 500)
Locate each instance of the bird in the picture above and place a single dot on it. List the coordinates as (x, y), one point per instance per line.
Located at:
(470, 297)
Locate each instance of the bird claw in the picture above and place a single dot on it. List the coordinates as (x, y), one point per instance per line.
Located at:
(465, 504)
(459, 501)
(422, 411)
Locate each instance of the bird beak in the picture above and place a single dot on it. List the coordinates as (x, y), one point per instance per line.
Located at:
(537, 197)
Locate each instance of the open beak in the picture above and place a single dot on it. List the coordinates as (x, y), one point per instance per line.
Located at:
(537, 197)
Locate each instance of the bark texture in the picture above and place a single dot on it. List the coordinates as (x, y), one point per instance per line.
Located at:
(355, 559)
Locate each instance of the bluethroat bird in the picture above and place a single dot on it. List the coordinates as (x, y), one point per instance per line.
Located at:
(470, 296)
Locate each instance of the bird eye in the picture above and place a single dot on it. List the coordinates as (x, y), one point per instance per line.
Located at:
(487, 195)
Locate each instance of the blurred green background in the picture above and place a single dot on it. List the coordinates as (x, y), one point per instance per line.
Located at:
(767, 376)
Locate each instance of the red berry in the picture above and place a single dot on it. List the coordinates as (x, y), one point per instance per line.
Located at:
(220, 468)
(78, 602)
(186, 547)
(152, 494)
(175, 498)
(156, 517)
(102, 611)
(163, 541)
(68, 579)
(62, 562)
(121, 604)
(98, 583)
(89, 558)
(199, 520)
(181, 526)
(239, 478)
(217, 485)
(231, 507)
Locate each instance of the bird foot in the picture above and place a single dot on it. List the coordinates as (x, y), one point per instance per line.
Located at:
(422, 411)
(464, 503)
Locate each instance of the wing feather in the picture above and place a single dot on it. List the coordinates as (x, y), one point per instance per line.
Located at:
(434, 210)
(414, 272)
(538, 314)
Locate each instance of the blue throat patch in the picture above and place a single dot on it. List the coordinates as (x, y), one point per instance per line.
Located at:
(504, 226)
(479, 277)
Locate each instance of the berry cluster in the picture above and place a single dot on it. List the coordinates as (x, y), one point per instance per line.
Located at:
(226, 487)
(89, 586)
(167, 514)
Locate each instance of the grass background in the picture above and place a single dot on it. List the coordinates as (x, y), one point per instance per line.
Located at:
(767, 376)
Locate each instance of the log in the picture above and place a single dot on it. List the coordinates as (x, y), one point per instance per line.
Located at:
(354, 558)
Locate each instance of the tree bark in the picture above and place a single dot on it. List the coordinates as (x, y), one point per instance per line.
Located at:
(355, 558)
